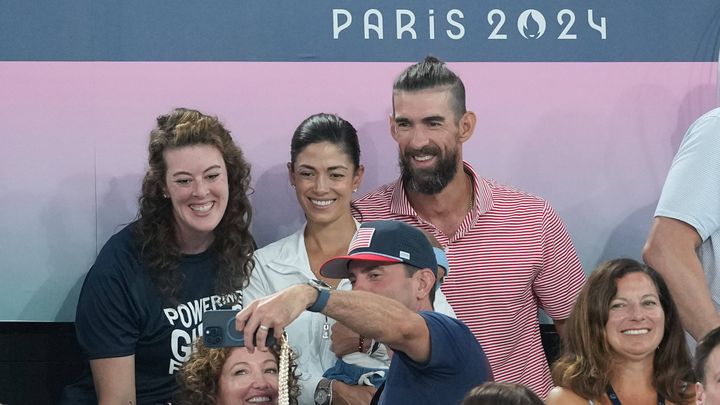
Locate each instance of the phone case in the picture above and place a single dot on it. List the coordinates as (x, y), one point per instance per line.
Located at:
(219, 329)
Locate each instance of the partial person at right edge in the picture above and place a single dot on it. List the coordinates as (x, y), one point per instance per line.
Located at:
(684, 241)
(509, 251)
(707, 369)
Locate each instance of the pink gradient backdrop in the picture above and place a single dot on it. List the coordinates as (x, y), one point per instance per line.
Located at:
(596, 139)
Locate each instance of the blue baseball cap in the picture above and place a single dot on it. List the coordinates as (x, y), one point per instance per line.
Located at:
(387, 242)
(442, 260)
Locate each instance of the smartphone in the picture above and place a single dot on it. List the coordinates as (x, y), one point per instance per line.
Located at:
(219, 330)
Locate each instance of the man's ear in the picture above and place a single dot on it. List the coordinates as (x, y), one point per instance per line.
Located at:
(290, 174)
(393, 127)
(358, 177)
(426, 282)
(467, 126)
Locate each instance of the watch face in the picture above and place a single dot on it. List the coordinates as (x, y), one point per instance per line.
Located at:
(321, 396)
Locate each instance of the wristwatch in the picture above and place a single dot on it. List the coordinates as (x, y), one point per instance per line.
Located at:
(322, 297)
(323, 392)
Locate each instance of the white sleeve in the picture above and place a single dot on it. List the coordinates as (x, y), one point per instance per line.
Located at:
(258, 285)
(692, 187)
(442, 305)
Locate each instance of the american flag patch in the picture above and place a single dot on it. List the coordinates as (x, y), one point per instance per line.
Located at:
(362, 239)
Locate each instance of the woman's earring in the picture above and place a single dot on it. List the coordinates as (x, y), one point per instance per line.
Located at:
(354, 190)
(165, 195)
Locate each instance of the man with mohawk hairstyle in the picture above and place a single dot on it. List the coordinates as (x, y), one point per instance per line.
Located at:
(509, 250)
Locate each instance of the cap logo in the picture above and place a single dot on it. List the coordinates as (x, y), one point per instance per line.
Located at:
(404, 255)
(362, 239)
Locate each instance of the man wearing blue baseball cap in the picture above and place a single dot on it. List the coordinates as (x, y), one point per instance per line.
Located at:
(393, 270)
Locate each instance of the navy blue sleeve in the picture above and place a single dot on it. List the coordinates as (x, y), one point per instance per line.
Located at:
(108, 317)
(453, 347)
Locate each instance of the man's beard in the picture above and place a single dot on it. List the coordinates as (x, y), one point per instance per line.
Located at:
(430, 180)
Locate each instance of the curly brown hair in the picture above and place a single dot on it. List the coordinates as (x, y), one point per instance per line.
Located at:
(585, 367)
(200, 376)
(155, 228)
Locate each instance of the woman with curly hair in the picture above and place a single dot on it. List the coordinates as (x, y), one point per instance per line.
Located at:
(234, 376)
(189, 250)
(625, 343)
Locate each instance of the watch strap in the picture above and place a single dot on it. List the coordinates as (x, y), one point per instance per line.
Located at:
(321, 301)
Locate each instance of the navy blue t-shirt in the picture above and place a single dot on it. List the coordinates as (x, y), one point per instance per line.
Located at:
(457, 364)
(121, 313)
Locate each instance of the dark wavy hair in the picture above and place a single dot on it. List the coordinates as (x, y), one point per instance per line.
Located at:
(199, 377)
(430, 73)
(702, 352)
(155, 225)
(495, 393)
(586, 365)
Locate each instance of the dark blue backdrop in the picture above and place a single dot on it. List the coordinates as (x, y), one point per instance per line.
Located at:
(344, 30)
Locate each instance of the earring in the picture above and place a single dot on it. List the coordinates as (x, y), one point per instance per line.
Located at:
(354, 190)
(165, 195)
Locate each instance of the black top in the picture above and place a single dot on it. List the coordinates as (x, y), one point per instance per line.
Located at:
(121, 313)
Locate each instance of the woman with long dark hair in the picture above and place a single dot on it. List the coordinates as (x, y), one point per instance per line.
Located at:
(189, 250)
(625, 343)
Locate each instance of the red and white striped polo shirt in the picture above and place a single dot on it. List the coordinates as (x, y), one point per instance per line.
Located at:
(511, 256)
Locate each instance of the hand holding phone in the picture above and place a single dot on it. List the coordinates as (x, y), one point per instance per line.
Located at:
(219, 330)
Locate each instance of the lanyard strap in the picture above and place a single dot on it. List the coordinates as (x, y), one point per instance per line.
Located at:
(616, 401)
(376, 398)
